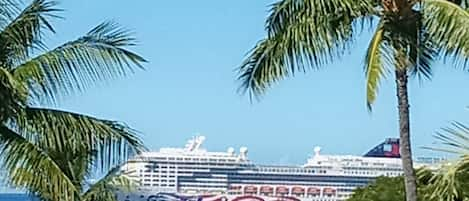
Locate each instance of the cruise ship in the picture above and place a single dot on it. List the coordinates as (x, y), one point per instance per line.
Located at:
(195, 174)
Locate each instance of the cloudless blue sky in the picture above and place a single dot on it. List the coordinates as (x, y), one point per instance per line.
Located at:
(189, 87)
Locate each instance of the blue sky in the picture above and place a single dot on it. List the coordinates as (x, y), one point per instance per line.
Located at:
(190, 86)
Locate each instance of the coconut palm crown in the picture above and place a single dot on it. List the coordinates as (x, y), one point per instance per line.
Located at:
(409, 35)
(39, 146)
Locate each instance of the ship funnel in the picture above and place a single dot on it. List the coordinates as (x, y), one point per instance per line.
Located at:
(387, 149)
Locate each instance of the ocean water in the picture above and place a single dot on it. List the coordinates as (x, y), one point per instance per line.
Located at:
(16, 197)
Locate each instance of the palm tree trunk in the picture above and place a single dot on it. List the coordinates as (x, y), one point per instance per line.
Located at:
(404, 134)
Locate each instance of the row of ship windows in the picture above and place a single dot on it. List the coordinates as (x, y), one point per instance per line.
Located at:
(371, 173)
(364, 163)
(344, 182)
(369, 168)
(192, 159)
(188, 170)
(199, 166)
(276, 177)
(193, 165)
(157, 180)
(156, 171)
(293, 177)
(162, 176)
(278, 170)
(160, 185)
(293, 170)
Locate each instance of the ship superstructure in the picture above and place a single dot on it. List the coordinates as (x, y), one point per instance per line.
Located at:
(193, 173)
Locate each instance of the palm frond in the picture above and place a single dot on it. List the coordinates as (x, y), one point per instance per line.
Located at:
(24, 33)
(31, 168)
(101, 55)
(453, 139)
(449, 182)
(105, 188)
(447, 26)
(8, 10)
(77, 164)
(286, 12)
(422, 55)
(375, 68)
(422, 52)
(63, 131)
(463, 3)
(13, 96)
(300, 36)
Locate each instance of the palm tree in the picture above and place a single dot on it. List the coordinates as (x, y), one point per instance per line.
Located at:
(33, 138)
(450, 180)
(308, 34)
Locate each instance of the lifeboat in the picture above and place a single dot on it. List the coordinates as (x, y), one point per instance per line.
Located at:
(329, 191)
(235, 190)
(281, 190)
(298, 191)
(235, 187)
(267, 190)
(312, 191)
(250, 190)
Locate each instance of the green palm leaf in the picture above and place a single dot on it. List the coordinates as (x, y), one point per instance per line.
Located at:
(13, 96)
(450, 181)
(24, 33)
(422, 51)
(77, 65)
(375, 68)
(446, 23)
(300, 37)
(288, 12)
(31, 168)
(63, 131)
(8, 10)
(422, 55)
(105, 188)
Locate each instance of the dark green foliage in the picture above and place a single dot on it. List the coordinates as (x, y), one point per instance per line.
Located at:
(387, 189)
(383, 189)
